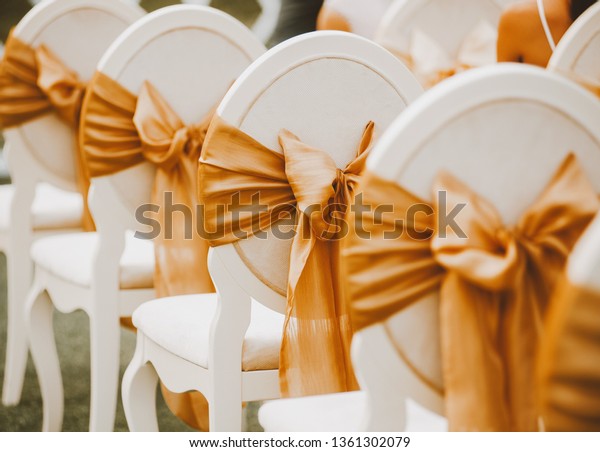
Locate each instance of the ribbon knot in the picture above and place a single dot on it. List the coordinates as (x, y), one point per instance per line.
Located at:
(164, 137)
(494, 283)
(322, 190)
(431, 63)
(34, 82)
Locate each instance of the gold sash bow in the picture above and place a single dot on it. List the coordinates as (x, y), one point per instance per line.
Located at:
(569, 361)
(119, 131)
(35, 82)
(494, 285)
(431, 63)
(314, 355)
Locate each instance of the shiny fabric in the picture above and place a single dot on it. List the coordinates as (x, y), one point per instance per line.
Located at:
(494, 284)
(430, 62)
(303, 185)
(119, 131)
(569, 361)
(35, 82)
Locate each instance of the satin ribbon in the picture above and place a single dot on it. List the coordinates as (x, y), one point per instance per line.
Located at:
(119, 131)
(569, 361)
(431, 63)
(494, 285)
(35, 82)
(304, 184)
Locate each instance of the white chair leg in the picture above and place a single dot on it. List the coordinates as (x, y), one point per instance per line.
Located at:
(19, 279)
(43, 349)
(105, 347)
(139, 392)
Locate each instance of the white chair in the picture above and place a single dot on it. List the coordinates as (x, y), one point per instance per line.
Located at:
(576, 54)
(265, 24)
(44, 150)
(503, 131)
(325, 87)
(181, 51)
(43, 198)
(446, 25)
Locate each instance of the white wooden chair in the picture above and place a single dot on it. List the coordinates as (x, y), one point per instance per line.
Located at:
(172, 48)
(43, 198)
(446, 25)
(265, 24)
(501, 130)
(577, 53)
(325, 87)
(44, 150)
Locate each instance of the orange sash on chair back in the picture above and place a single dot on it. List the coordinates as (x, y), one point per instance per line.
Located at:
(569, 361)
(494, 284)
(119, 131)
(305, 185)
(35, 82)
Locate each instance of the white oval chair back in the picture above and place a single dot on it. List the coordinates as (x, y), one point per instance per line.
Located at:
(577, 55)
(78, 32)
(324, 87)
(503, 131)
(191, 55)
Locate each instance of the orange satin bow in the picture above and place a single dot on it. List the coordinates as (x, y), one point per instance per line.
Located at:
(569, 361)
(35, 82)
(303, 183)
(119, 131)
(494, 284)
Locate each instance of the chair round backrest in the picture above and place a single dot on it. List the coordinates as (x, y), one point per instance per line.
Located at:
(192, 55)
(78, 32)
(578, 52)
(448, 22)
(501, 130)
(324, 87)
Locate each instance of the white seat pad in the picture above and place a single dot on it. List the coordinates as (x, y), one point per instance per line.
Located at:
(345, 412)
(70, 257)
(181, 325)
(52, 208)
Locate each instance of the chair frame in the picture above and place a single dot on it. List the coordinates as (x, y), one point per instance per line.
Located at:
(107, 198)
(224, 383)
(30, 301)
(371, 348)
(575, 40)
(26, 172)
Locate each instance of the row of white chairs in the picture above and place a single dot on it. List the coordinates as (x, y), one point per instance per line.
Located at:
(315, 85)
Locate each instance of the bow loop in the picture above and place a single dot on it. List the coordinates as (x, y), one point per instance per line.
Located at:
(164, 137)
(60, 84)
(474, 244)
(322, 190)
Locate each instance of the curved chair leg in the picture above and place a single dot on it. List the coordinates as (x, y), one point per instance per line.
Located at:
(139, 392)
(45, 357)
(19, 279)
(105, 347)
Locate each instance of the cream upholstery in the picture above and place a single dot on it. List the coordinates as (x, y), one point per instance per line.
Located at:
(181, 325)
(337, 413)
(52, 208)
(71, 256)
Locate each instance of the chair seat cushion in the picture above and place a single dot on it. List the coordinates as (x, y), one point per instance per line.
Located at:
(71, 256)
(181, 325)
(52, 208)
(345, 412)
